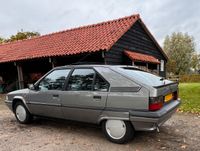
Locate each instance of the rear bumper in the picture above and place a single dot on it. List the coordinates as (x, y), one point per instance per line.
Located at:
(148, 121)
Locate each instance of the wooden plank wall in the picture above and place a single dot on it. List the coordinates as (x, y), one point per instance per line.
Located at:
(135, 39)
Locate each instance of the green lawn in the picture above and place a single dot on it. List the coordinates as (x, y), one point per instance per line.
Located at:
(190, 96)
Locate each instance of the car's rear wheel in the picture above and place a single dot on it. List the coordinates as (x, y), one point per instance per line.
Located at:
(118, 131)
(22, 115)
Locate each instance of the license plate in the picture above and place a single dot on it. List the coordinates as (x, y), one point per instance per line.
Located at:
(168, 97)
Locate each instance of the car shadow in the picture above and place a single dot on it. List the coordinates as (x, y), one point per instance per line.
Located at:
(164, 138)
(67, 126)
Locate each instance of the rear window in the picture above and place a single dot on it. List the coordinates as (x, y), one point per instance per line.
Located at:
(142, 76)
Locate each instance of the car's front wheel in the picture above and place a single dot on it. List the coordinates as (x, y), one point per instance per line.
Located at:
(118, 131)
(22, 115)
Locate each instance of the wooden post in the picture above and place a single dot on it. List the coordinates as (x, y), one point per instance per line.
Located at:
(20, 76)
(52, 61)
(52, 65)
(158, 68)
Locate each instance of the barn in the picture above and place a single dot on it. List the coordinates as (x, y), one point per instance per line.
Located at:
(123, 41)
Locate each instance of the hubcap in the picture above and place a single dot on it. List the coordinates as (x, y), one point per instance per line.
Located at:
(21, 113)
(116, 129)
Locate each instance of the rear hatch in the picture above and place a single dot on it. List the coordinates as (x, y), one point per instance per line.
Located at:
(162, 91)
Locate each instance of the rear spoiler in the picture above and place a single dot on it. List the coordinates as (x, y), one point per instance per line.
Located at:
(160, 86)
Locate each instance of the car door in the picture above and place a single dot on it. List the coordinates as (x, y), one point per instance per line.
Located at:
(45, 100)
(85, 96)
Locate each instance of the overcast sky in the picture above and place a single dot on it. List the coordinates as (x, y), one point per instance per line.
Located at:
(162, 17)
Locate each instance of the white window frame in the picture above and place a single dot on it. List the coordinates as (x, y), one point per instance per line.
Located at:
(162, 64)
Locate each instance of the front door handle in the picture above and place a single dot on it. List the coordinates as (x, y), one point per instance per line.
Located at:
(55, 95)
(96, 97)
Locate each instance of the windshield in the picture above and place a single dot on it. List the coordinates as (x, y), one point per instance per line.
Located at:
(143, 77)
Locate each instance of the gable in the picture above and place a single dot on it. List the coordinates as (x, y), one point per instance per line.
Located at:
(136, 39)
(140, 41)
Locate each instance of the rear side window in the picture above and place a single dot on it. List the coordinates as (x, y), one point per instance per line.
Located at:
(81, 80)
(142, 76)
(100, 84)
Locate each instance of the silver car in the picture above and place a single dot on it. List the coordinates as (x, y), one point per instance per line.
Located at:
(122, 99)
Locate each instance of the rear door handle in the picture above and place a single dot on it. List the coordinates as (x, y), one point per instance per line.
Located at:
(96, 97)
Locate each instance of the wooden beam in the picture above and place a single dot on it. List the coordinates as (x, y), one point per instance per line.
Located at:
(20, 76)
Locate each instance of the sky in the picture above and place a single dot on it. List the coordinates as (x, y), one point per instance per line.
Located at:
(162, 17)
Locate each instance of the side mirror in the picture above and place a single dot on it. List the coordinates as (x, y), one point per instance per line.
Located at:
(31, 86)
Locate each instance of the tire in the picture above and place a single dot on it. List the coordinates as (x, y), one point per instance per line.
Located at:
(22, 115)
(118, 131)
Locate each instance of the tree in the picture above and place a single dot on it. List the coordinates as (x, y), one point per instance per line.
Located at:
(1, 40)
(22, 35)
(195, 63)
(179, 48)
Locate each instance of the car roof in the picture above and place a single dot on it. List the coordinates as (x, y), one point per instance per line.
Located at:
(95, 65)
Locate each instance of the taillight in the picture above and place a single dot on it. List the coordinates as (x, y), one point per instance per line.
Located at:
(156, 103)
(175, 95)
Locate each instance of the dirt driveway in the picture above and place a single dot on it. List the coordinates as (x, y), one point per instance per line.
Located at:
(182, 132)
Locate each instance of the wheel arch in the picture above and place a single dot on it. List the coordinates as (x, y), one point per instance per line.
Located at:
(101, 119)
(19, 99)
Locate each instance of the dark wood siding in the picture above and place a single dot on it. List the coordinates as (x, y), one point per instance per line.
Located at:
(135, 39)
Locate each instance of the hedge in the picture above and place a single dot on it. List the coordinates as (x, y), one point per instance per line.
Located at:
(189, 78)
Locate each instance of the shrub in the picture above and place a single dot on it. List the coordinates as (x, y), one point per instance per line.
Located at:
(189, 78)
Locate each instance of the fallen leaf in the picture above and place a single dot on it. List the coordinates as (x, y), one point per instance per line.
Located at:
(183, 146)
(163, 147)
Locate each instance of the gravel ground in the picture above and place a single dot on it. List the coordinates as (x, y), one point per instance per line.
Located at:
(181, 132)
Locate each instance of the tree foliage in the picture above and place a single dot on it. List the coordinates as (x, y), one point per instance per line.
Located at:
(20, 36)
(180, 49)
(195, 63)
(1, 40)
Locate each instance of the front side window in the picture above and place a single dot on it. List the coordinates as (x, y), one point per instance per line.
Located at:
(81, 80)
(55, 80)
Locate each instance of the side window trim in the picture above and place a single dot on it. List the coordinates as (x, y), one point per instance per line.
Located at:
(94, 79)
(67, 79)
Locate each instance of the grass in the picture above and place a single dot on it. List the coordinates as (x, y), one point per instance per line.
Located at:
(190, 97)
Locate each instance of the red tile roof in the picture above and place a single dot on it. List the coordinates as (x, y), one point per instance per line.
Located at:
(141, 57)
(101, 36)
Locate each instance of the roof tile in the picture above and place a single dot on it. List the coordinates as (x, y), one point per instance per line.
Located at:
(141, 57)
(89, 38)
